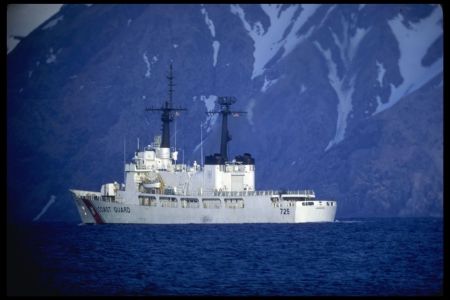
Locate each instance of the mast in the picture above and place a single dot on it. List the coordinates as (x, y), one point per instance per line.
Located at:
(124, 162)
(201, 144)
(167, 110)
(170, 83)
(225, 103)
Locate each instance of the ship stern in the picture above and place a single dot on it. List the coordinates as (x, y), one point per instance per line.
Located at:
(315, 211)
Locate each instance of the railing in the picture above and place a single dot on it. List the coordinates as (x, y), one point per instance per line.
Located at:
(305, 193)
(98, 197)
(254, 193)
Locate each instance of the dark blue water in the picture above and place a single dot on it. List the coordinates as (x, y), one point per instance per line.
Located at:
(362, 257)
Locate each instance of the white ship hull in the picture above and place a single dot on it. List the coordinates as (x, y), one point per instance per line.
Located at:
(256, 209)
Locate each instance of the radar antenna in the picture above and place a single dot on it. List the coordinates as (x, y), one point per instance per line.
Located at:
(168, 112)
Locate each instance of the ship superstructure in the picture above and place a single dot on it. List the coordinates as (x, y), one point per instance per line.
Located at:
(159, 190)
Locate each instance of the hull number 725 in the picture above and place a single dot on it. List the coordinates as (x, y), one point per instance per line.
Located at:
(284, 211)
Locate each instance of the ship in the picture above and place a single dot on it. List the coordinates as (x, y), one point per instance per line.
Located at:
(218, 190)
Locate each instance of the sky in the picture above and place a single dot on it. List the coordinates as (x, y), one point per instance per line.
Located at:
(24, 18)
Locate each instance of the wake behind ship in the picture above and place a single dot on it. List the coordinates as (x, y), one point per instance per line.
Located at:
(158, 190)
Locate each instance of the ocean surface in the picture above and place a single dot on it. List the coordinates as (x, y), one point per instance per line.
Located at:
(398, 256)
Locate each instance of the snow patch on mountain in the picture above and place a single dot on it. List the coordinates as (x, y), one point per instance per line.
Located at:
(344, 93)
(52, 23)
(147, 62)
(293, 39)
(418, 36)
(208, 21)
(379, 99)
(267, 84)
(210, 102)
(250, 106)
(348, 45)
(216, 46)
(281, 35)
(330, 9)
(355, 40)
(51, 57)
(212, 29)
(381, 72)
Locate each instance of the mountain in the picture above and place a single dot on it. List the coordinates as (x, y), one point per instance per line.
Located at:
(343, 99)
